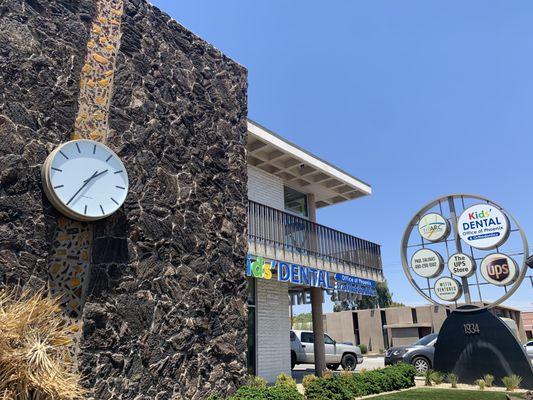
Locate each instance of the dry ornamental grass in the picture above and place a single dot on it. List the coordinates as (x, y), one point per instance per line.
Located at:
(35, 361)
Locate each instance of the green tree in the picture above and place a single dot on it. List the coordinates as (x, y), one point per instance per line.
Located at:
(302, 318)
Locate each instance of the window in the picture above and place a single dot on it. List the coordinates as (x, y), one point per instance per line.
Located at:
(426, 340)
(414, 315)
(295, 202)
(328, 340)
(385, 331)
(250, 354)
(293, 336)
(307, 337)
(355, 319)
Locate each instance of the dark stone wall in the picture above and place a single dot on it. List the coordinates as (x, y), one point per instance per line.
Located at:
(165, 316)
(42, 47)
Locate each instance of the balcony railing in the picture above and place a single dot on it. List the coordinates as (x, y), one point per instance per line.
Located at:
(272, 227)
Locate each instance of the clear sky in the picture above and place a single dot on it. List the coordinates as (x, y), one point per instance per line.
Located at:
(418, 98)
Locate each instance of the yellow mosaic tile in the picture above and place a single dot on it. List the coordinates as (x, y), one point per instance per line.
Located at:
(70, 262)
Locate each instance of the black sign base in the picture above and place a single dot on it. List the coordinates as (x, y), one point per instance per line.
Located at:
(472, 344)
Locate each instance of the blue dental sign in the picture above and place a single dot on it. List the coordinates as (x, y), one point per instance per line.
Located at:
(352, 284)
(307, 276)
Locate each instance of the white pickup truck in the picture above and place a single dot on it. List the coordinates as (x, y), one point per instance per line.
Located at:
(303, 352)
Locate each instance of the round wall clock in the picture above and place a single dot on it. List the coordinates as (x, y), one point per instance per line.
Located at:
(85, 180)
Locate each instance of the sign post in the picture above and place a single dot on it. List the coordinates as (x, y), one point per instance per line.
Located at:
(453, 215)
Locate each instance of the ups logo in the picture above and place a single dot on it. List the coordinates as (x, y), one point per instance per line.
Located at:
(498, 269)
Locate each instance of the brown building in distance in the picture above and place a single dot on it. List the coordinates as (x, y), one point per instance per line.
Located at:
(527, 317)
(380, 329)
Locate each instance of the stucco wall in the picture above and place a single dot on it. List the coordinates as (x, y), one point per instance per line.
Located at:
(165, 317)
(339, 325)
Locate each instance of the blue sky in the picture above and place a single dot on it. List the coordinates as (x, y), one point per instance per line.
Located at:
(418, 98)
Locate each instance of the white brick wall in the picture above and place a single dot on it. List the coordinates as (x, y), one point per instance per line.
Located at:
(265, 188)
(273, 327)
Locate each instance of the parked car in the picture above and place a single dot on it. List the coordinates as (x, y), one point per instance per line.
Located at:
(529, 349)
(419, 354)
(303, 352)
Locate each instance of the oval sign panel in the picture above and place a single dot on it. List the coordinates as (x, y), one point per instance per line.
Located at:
(433, 227)
(461, 265)
(448, 289)
(483, 226)
(499, 269)
(427, 263)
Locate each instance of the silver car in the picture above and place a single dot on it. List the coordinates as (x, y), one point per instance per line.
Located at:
(529, 349)
(303, 351)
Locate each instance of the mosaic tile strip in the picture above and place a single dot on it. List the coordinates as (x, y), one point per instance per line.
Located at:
(69, 264)
(96, 83)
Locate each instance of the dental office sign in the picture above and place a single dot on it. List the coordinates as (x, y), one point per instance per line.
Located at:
(306, 276)
(483, 226)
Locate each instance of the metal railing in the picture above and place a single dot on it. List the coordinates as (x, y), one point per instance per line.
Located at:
(280, 229)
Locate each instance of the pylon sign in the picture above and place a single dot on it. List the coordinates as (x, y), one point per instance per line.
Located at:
(468, 253)
(464, 249)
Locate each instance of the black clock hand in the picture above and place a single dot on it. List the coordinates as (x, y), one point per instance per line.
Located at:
(85, 182)
(96, 176)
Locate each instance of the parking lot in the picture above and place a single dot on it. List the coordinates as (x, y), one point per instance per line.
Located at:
(305, 369)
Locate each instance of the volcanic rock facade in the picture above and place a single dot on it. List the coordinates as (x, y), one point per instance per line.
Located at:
(166, 315)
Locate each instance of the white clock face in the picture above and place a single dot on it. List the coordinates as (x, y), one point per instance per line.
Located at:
(85, 180)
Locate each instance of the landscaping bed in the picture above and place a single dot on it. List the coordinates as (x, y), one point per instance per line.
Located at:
(344, 386)
(447, 394)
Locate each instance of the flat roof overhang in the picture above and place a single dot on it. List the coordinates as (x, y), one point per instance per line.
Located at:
(300, 169)
(407, 325)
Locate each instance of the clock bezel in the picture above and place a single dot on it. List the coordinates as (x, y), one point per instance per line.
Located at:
(56, 201)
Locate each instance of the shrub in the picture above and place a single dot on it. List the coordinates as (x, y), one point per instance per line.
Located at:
(282, 392)
(512, 382)
(363, 348)
(249, 393)
(328, 389)
(427, 377)
(453, 379)
(489, 379)
(285, 389)
(35, 345)
(348, 386)
(256, 381)
(285, 380)
(437, 377)
(481, 384)
(306, 381)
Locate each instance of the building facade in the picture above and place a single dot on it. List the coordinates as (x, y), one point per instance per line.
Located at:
(380, 329)
(527, 317)
(172, 296)
(286, 185)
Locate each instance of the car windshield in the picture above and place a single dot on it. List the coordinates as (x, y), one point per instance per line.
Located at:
(426, 340)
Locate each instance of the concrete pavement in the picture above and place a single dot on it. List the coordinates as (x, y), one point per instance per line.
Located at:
(369, 363)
